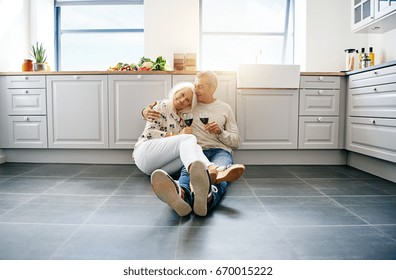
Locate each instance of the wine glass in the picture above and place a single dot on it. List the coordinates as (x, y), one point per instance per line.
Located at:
(188, 118)
(204, 118)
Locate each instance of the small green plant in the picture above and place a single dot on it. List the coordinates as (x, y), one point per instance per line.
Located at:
(38, 52)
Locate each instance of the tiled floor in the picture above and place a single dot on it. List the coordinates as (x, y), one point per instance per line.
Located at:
(61, 211)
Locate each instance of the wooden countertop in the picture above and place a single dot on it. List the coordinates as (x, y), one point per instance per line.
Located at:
(147, 73)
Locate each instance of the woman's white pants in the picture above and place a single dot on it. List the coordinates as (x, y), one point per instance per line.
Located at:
(168, 154)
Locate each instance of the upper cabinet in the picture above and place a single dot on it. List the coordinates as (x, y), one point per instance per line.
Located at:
(373, 16)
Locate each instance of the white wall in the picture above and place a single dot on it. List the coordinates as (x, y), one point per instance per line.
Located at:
(14, 34)
(173, 26)
(329, 34)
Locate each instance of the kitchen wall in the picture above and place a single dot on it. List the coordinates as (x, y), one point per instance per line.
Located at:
(323, 32)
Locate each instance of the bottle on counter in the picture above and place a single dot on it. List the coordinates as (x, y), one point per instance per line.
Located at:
(349, 59)
(366, 61)
(371, 54)
(361, 55)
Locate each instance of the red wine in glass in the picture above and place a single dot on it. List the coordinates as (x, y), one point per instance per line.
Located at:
(204, 118)
(188, 118)
(188, 121)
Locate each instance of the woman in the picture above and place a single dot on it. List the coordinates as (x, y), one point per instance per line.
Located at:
(167, 144)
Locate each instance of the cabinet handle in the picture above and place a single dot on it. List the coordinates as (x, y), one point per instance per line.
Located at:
(139, 77)
(76, 77)
(372, 121)
(26, 91)
(320, 91)
(375, 73)
(239, 91)
(26, 118)
(321, 78)
(320, 119)
(375, 89)
(26, 78)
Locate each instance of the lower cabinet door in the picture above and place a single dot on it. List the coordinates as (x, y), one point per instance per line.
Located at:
(318, 132)
(372, 136)
(27, 131)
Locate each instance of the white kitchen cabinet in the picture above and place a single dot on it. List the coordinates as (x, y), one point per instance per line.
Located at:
(318, 132)
(226, 90)
(128, 95)
(77, 111)
(267, 119)
(26, 112)
(319, 111)
(362, 13)
(373, 16)
(26, 102)
(374, 137)
(27, 132)
(384, 7)
(371, 123)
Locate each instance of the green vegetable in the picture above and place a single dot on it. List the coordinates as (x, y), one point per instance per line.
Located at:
(143, 60)
(159, 64)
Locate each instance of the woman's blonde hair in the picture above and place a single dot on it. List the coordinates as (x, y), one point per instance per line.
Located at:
(180, 86)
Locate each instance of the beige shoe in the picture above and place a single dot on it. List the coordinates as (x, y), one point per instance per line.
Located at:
(229, 173)
(200, 184)
(169, 192)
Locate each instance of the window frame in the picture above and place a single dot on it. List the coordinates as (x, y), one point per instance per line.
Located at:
(59, 31)
(290, 7)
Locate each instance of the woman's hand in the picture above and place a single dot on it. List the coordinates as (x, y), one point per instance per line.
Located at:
(186, 130)
(149, 113)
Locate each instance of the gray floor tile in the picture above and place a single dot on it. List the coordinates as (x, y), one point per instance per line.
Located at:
(282, 187)
(57, 170)
(135, 216)
(86, 211)
(311, 211)
(29, 185)
(10, 201)
(30, 241)
(358, 242)
(49, 214)
(120, 243)
(228, 243)
(87, 186)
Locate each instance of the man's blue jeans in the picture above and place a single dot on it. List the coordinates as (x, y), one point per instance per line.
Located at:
(219, 157)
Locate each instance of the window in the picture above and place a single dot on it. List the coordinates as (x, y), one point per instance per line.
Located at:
(95, 34)
(246, 31)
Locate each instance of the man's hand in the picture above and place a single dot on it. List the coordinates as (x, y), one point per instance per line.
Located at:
(213, 128)
(149, 113)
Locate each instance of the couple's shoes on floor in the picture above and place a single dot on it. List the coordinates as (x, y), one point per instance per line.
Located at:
(201, 180)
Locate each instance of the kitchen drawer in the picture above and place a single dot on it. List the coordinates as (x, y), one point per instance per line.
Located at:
(26, 102)
(322, 82)
(374, 77)
(27, 131)
(318, 132)
(319, 102)
(25, 81)
(373, 101)
(375, 137)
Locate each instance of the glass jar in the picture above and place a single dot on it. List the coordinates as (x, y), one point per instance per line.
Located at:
(27, 65)
(349, 59)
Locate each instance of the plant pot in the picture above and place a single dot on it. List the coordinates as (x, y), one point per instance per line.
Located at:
(40, 66)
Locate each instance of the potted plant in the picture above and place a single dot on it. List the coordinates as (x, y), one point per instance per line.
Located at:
(38, 53)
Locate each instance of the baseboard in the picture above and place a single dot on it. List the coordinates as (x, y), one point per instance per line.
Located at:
(2, 156)
(254, 157)
(292, 157)
(375, 166)
(69, 156)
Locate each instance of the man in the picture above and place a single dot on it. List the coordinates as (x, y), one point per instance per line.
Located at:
(217, 138)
